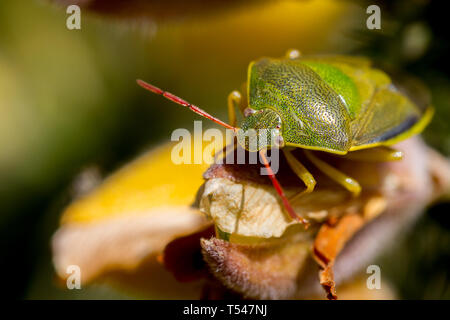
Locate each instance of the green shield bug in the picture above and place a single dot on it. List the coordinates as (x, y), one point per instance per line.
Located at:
(334, 104)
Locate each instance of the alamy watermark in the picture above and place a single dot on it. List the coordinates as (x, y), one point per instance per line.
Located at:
(374, 280)
(74, 279)
(374, 20)
(73, 22)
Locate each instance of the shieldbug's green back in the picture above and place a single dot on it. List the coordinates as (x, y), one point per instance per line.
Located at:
(335, 104)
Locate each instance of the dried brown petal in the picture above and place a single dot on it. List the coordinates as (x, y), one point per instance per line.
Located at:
(329, 241)
(263, 271)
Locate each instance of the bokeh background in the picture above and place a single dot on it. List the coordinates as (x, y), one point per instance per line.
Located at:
(69, 102)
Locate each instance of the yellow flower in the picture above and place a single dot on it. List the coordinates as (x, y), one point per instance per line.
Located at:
(122, 226)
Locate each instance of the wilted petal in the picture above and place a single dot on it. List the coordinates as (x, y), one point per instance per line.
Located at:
(127, 222)
(329, 241)
(265, 271)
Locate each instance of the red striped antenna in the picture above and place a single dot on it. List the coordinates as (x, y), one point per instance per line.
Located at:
(182, 102)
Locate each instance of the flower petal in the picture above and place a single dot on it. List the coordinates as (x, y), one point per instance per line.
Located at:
(126, 223)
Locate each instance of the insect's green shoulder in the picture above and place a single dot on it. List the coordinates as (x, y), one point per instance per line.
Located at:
(313, 115)
(385, 115)
(351, 78)
(357, 102)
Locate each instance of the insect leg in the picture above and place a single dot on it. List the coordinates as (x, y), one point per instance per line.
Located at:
(375, 154)
(349, 183)
(301, 172)
(234, 100)
(280, 192)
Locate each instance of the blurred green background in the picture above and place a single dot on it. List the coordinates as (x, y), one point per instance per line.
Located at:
(68, 100)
